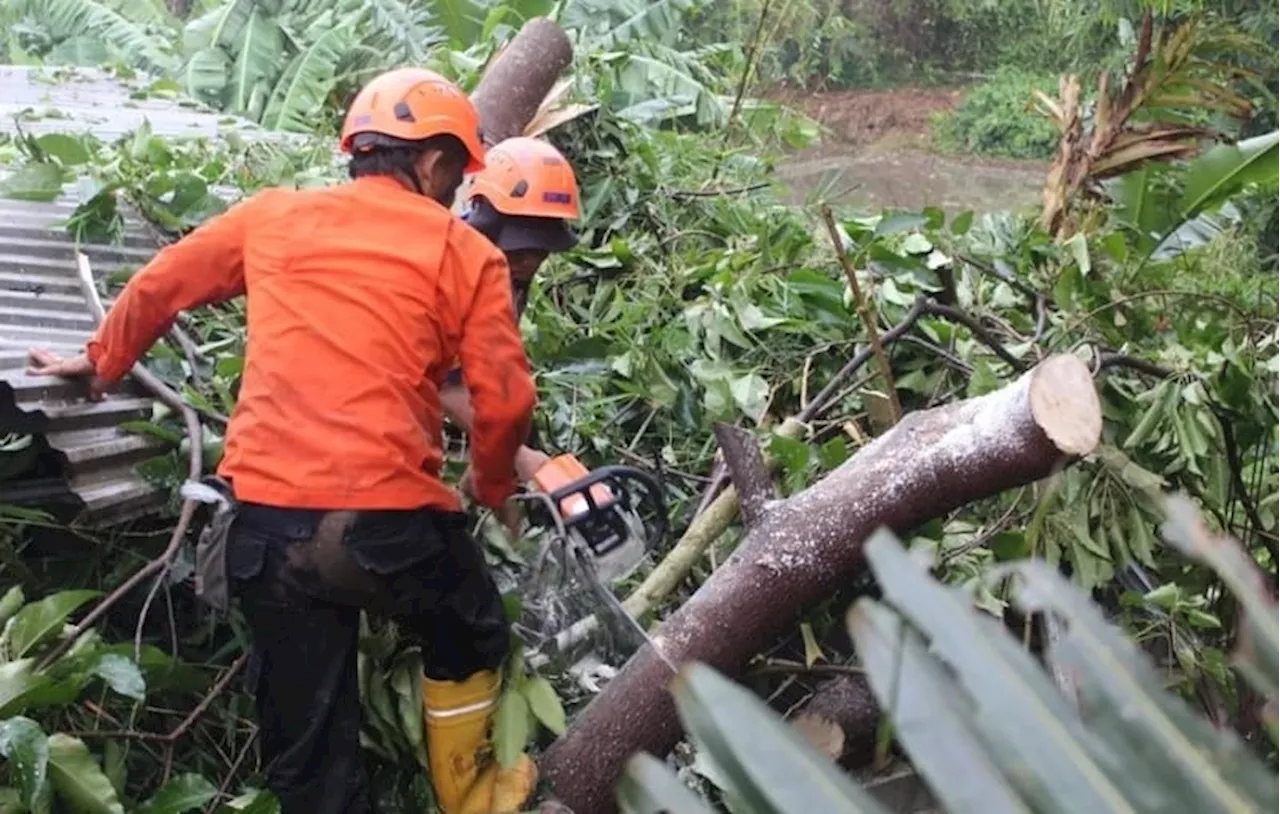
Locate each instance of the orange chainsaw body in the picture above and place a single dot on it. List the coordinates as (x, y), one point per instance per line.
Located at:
(563, 470)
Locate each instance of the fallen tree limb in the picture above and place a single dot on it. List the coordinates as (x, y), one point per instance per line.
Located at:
(516, 82)
(751, 476)
(809, 546)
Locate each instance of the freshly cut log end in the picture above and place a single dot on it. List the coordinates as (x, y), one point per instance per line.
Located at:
(841, 719)
(1064, 403)
(809, 546)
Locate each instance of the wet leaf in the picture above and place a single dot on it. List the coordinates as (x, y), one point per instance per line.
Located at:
(11, 603)
(25, 747)
(78, 780)
(40, 621)
(1175, 759)
(69, 150)
(122, 675)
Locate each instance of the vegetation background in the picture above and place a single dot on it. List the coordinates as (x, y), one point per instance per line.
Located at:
(706, 291)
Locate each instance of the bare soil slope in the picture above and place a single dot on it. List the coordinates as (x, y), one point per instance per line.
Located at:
(877, 154)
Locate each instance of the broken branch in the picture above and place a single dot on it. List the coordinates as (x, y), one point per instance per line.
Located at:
(748, 470)
(864, 311)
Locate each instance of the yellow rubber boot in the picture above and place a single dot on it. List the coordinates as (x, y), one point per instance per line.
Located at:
(458, 715)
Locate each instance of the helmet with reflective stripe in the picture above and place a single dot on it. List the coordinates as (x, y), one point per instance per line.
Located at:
(527, 177)
(408, 105)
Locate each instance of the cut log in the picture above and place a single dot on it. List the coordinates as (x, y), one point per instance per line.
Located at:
(840, 720)
(809, 546)
(515, 83)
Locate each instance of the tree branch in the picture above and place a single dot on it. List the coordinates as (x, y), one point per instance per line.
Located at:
(747, 467)
(195, 433)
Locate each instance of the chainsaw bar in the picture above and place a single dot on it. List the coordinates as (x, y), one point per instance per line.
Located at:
(610, 526)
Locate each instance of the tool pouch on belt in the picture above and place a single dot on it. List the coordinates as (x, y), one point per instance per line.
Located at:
(212, 584)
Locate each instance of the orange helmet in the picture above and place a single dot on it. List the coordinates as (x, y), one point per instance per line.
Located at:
(408, 105)
(526, 177)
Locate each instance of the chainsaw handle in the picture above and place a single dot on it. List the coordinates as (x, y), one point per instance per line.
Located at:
(615, 474)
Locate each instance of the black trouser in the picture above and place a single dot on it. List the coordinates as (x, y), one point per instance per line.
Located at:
(302, 586)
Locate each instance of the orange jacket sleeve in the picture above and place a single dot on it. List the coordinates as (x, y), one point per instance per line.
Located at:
(496, 372)
(205, 266)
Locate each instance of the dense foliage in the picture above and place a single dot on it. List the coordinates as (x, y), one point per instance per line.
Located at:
(697, 296)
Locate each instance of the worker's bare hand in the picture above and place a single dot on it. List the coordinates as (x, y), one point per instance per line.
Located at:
(508, 515)
(528, 462)
(47, 363)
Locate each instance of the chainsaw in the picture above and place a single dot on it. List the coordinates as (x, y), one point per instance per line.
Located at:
(597, 526)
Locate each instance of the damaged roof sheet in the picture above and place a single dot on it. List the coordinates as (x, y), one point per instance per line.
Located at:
(41, 303)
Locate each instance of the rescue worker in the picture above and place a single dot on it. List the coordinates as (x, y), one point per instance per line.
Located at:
(360, 299)
(522, 201)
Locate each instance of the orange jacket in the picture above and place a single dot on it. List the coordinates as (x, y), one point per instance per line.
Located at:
(360, 298)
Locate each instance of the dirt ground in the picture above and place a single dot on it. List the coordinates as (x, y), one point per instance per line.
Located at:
(877, 153)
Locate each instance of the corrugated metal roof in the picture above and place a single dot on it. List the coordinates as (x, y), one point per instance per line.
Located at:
(79, 100)
(41, 303)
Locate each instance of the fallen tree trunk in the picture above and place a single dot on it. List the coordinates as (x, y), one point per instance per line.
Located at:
(515, 83)
(807, 547)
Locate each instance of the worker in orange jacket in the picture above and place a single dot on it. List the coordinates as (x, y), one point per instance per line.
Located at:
(361, 297)
(523, 201)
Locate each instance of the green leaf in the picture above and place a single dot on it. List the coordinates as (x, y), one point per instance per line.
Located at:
(897, 222)
(545, 703)
(510, 728)
(1178, 759)
(39, 621)
(24, 745)
(18, 682)
(10, 604)
(649, 787)
(961, 223)
(78, 780)
(69, 150)
(1258, 653)
(751, 394)
(41, 182)
(1079, 249)
(1222, 170)
(405, 681)
(183, 793)
(122, 675)
(1033, 734)
(932, 718)
(765, 761)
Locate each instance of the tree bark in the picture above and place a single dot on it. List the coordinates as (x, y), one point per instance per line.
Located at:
(808, 546)
(514, 85)
(750, 474)
(840, 720)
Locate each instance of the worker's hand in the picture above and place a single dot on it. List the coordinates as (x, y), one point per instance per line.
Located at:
(509, 515)
(528, 462)
(46, 363)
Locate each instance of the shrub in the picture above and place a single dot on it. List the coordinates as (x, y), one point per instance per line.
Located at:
(997, 118)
